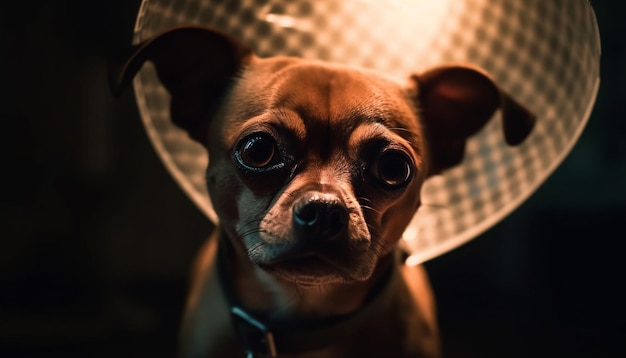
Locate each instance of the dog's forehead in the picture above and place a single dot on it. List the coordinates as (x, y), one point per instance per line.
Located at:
(324, 92)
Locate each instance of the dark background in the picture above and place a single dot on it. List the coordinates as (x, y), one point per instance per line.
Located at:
(96, 237)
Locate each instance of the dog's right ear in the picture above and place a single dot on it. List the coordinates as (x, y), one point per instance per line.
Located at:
(195, 64)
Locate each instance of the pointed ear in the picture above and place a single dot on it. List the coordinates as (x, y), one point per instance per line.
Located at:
(195, 64)
(455, 102)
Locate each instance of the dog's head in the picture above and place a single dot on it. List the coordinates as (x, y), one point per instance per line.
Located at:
(315, 168)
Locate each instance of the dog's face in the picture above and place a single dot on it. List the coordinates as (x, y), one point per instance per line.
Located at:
(323, 166)
(316, 169)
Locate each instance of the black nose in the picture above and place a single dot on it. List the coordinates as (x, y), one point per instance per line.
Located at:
(320, 216)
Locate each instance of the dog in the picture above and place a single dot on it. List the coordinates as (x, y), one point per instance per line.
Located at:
(315, 171)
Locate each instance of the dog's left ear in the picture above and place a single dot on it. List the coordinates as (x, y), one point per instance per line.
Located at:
(195, 64)
(455, 102)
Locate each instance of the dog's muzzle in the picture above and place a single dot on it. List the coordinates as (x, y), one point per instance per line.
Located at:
(321, 246)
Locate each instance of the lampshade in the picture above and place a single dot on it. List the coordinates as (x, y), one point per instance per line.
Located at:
(545, 54)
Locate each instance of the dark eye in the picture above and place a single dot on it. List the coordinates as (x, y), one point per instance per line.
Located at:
(393, 169)
(257, 151)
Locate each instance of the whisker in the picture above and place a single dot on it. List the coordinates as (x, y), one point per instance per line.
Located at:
(362, 200)
(373, 254)
(256, 246)
(249, 228)
(399, 129)
(371, 229)
(380, 248)
(370, 208)
(254, 222)
(243, 234)
(406, 137)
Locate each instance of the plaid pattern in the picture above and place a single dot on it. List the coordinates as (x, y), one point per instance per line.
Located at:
(546, 54)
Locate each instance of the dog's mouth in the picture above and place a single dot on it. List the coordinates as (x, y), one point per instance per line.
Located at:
(317, 268)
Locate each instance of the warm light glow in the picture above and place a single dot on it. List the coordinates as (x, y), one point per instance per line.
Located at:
(406, 28)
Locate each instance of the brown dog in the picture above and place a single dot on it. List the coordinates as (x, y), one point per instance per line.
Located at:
(315, 172)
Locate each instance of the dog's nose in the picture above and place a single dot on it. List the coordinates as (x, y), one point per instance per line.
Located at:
(320, 216)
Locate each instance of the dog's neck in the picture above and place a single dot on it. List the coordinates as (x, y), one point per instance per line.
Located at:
(273, 299)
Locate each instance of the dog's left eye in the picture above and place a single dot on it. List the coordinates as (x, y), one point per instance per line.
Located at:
(257, 151)
(393, 169)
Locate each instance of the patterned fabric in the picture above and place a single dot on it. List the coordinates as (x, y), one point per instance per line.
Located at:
(545, 54)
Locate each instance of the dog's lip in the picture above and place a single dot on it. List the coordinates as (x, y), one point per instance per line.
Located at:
(308, 260)
(291, 257)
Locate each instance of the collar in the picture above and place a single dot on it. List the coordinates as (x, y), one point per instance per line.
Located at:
(268, 339)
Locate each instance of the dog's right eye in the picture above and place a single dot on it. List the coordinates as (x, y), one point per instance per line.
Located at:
(393, 169)
(257, 151)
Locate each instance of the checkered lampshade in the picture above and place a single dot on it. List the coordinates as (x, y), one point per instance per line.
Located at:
(545, 54)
